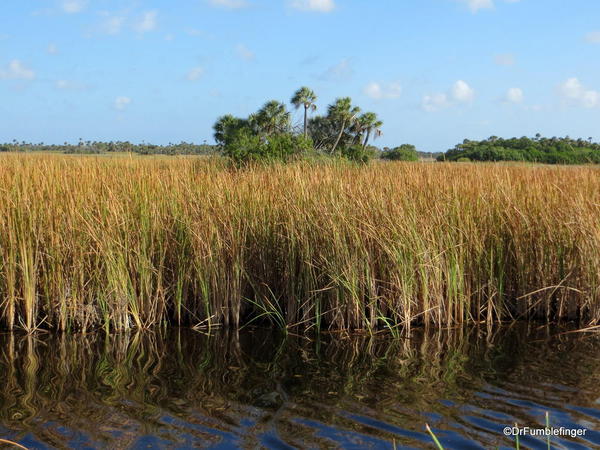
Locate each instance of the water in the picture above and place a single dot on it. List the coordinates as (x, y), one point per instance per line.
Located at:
(182, 389)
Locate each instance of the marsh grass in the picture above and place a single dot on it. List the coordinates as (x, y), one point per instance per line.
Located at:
(89, 242)
(438, 445)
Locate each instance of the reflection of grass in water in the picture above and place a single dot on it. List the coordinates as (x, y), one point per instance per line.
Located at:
(518, 441)
(547, 427)
(11, 443)
(119, 379)
(98, 383)
(91, 243)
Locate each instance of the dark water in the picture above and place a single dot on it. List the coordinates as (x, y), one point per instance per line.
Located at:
(182, 389)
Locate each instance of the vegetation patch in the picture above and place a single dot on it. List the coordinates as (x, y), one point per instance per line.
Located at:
(120, 243)
(539, 149)
(268, 134)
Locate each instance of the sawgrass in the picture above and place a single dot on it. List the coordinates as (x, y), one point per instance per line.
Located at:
(121, 243)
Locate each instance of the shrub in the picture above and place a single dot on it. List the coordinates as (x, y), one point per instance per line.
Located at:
(245, 147)
(286, 147)
(357, 153)
(405, 152)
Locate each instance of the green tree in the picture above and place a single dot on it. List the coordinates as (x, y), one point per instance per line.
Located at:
(343, 112)
(246, 147)
(358, 153)
(538, 149)
(225, 126)
(323, 131)
(368, 123)
(272, 118)
(405, 152)
(307, 98)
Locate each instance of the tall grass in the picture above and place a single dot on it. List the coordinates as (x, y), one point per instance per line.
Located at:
(89, 242)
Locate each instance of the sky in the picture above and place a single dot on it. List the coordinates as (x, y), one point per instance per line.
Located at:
(435, 71)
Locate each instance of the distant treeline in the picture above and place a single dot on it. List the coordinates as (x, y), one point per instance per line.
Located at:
(538, 149)
(95, 147)
(404, 152)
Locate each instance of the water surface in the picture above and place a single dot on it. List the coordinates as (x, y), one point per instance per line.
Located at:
(182, 389)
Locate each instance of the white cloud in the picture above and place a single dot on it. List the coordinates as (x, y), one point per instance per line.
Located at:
(63, 84)
(571, 89)
(462, 92)
(593, 37)
(52, 49)
(16, 70)
(73, 6)
(576, 94)
(505, 59)
(111, 24)
(514, 95)
(476, 5)
(435, 102)
(338, 72)
(313, 5)
(68, 85)
(121, 103)
(591, 99)
(378, 91)
(147, 22)
(373, 90)
(195, 74)
(244, 52)
(229, 4)
(199, 33)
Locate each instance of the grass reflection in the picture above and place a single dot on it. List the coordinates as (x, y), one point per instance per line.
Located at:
(187, 388)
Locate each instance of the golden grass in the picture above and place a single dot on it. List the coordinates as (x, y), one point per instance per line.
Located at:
(133, 242)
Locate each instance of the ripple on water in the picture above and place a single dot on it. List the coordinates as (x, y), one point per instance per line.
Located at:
(184, 389)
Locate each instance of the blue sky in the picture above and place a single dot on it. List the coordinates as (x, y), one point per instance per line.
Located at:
(436, 71)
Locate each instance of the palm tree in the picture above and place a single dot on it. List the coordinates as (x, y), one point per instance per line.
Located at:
(369, 123)
(307, 98)
(273, 117)
(224, 126)
(342, 111)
